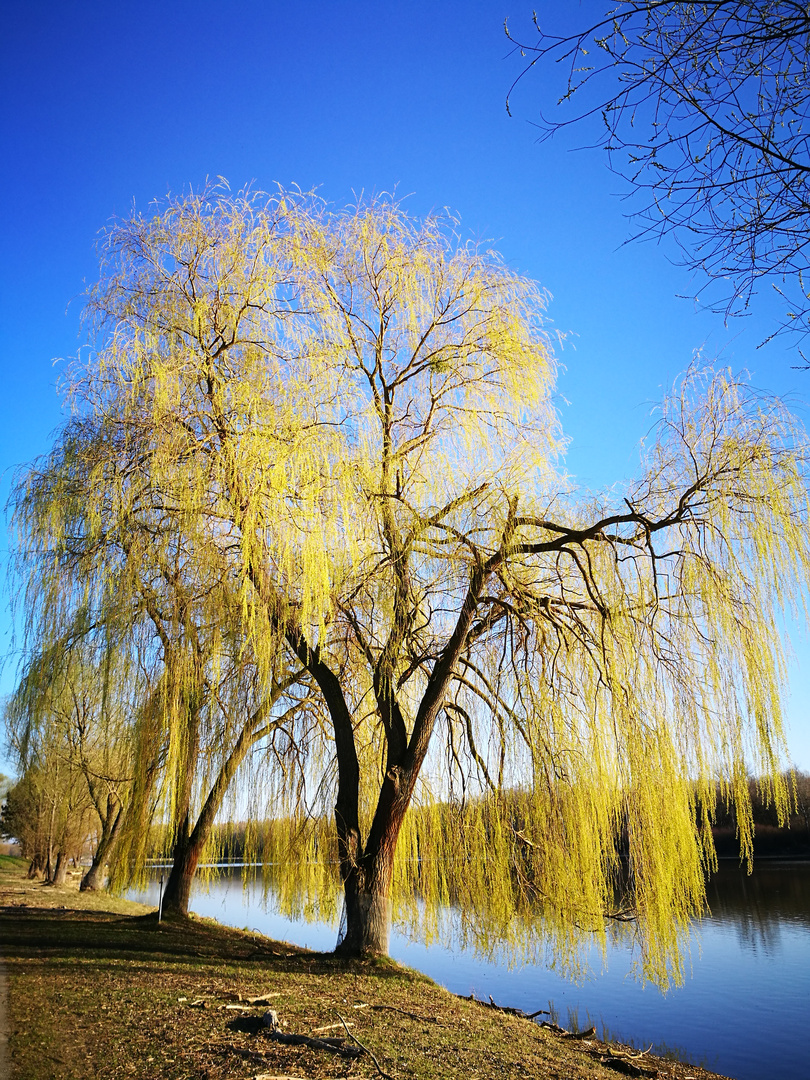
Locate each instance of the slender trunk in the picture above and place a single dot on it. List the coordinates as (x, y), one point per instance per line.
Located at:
(60, 872)
(51, 823)
(189, 845)
(49, 863)
(110, 833)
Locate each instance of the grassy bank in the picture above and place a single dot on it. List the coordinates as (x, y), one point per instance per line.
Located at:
(97, 988)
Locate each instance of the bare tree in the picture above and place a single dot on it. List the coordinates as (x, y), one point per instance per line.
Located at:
(703, 108)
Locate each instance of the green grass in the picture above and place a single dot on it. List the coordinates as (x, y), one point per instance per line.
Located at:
(12, 862)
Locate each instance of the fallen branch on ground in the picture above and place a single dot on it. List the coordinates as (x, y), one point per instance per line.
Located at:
(332, 1046)
(508, 1009)
(365, 1049)
(327, 1027)
(587, 1034)
(402, 1012)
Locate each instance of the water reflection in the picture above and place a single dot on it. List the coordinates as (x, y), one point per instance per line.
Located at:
(759, 906)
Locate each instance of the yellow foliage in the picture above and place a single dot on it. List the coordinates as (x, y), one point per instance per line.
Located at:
(338, 427)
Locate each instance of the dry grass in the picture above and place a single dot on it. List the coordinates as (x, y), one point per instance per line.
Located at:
(98, 989)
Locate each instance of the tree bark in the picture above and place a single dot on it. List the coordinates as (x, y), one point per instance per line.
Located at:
(110, 832)
(367, 886)
(368, 916)
(60, 872)
(37, 867)
(186, 856)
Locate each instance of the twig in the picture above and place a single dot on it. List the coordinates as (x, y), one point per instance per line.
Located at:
(404, 1012)
(554, 1027)
(378, 1067)
(626, 1053)
(641, 1053)
(276, 1076)
(587, 1034)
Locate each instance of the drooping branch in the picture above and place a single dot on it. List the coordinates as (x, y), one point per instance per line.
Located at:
(703, 108)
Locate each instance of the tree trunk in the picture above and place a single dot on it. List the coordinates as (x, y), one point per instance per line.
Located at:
(110, 832)
(367, 887)
(368, 917)
(37, 867)
(187, 850)
(60, 872)
(95, 877)
(189, 845)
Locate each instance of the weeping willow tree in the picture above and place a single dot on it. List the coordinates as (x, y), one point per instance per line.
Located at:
(111, 540)
(199, 706)
(349, 416)
(47, 729)
(82, 690)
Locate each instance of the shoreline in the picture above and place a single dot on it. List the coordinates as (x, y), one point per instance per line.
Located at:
(97, 987)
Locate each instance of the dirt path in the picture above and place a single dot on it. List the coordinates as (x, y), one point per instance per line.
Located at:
(5, 1067)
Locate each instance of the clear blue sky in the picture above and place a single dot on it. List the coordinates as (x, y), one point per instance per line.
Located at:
(106, 103)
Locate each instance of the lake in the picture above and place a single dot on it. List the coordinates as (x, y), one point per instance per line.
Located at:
(744, 1012)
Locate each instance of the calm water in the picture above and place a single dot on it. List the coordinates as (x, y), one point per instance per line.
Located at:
(745, 1011)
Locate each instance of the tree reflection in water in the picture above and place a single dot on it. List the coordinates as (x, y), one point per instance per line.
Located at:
(758, 906)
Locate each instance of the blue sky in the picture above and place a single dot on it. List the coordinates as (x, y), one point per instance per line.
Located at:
(104, 104)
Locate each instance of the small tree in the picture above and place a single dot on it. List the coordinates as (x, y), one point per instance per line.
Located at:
(51, 793)
(24, 819)
(349, 414)
(77, 694)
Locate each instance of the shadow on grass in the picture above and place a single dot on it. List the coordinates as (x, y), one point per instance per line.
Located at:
(107, 936)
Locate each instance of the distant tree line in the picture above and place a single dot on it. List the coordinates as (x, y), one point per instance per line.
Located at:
(235, 841)
(772, 837)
